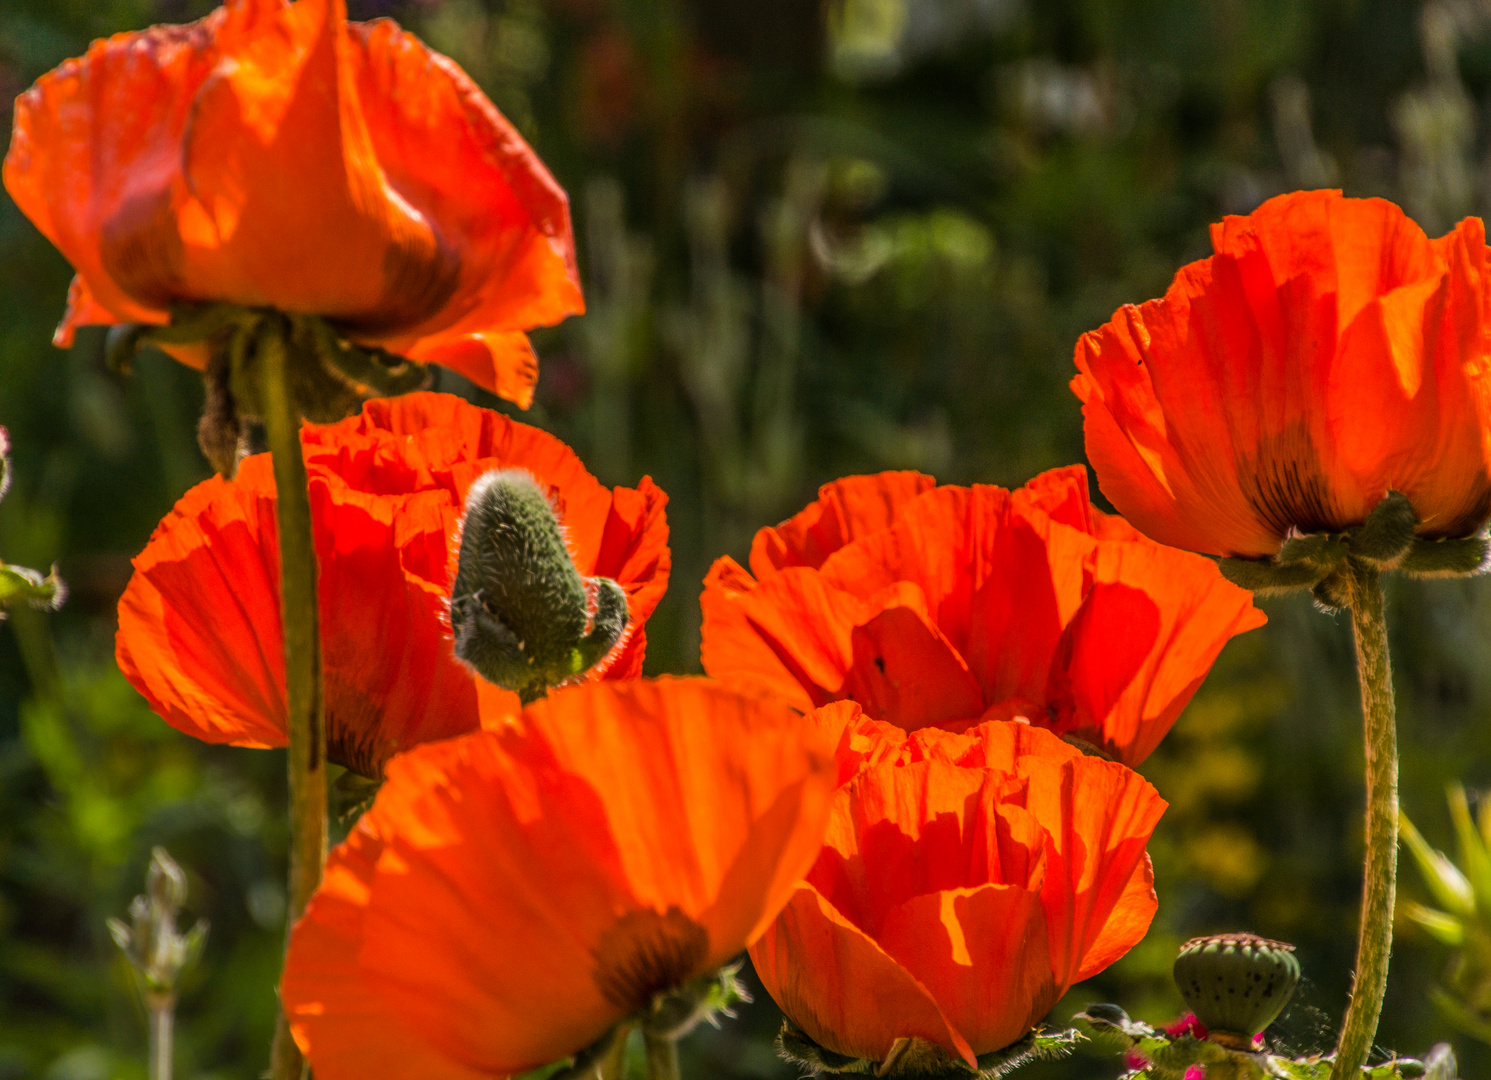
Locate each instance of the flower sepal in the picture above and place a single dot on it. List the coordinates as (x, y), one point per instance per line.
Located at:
(918, 1059)
(1385, 541)
(330, 375)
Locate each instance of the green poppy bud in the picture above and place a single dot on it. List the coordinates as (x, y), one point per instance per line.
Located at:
(520, 609)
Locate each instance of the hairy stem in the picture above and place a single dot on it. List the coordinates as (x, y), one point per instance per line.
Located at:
(662, 1056)
(162, 1014)
(1380, 870)
(307, 718)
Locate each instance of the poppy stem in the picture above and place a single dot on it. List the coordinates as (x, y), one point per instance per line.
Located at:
(662, 1056)
(162, 1014)
(307, 717)
(1380, 871)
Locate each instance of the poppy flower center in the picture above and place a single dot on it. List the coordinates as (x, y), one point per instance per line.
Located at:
(646, 953)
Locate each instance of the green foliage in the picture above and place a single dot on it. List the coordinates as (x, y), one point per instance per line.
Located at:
(1464, 924)
(1153, 1055)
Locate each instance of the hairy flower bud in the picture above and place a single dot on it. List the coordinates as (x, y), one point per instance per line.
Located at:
(520, 609)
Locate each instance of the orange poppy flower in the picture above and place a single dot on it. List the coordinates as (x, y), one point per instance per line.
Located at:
(1329, 352)
(275, 155)
(199, 624)
(967, 882)
(514, 893)
(944, 606)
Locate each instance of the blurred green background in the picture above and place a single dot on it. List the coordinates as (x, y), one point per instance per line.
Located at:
(817, 239)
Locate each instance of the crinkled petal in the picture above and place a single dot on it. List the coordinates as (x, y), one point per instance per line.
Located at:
(841, 988)
(846, 510)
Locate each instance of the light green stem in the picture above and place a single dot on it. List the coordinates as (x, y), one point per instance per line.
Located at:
(162, 1014)
(307, 718)
(662, 1056)
(1380, 871)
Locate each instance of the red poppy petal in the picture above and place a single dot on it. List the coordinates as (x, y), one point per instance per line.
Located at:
(981, 954)
(906, 673)
(634, 547)
(84, 310)
(1185, 488)
(846, 510)
(523, 835)
(277, 166)
(416, 690)
(339, 1022)
(808, 624)
(502, 362)
(1199, 612)
(1062, 495)
(1015, 618)
(1099, 816)
(997, 745)
(843, 990)
(1232, 411)
(1098, 656)
(733, 649)
(447, 150)
(1126, 924)
(199, 625)
(905, 828)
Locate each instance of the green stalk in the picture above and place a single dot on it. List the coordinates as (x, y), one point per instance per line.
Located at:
(162, 1013)
(662, 1056)
(307, 717)
(1380, 871)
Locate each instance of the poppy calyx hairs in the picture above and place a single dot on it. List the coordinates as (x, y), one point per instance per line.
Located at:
(520, 610)
(1386, 540)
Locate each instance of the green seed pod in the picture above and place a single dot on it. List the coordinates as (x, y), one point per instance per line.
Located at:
(1236, 984)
